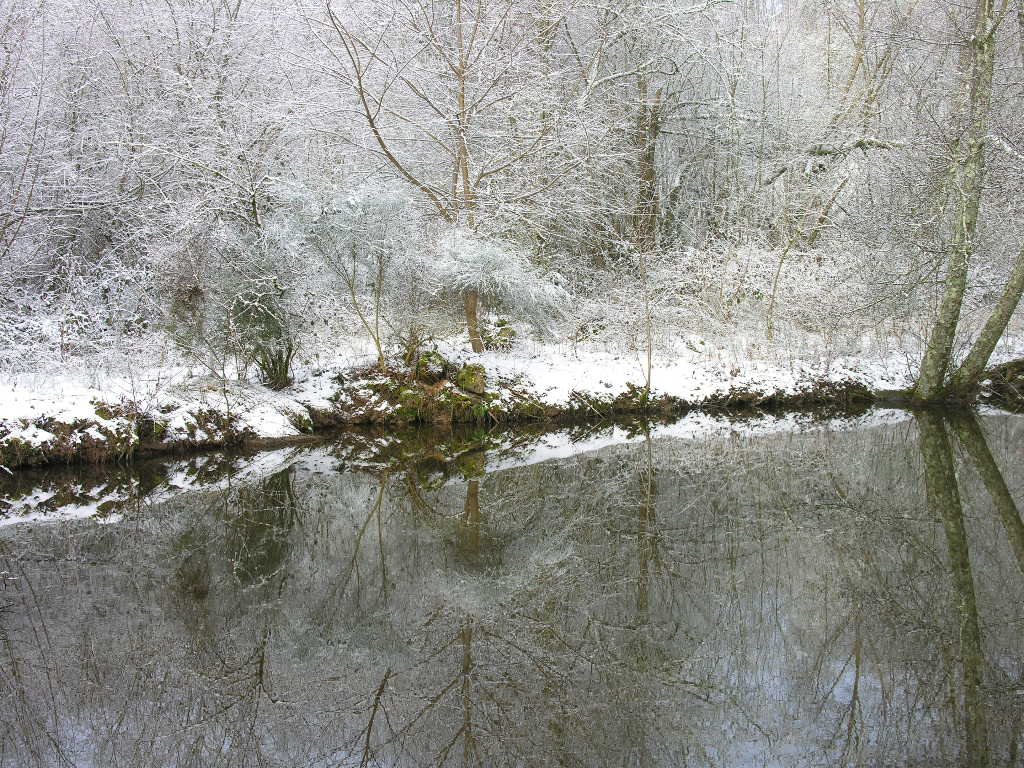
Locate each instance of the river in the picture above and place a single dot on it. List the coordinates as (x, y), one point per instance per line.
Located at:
(826, 594)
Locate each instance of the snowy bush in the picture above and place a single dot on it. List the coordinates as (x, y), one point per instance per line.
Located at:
(501, 272)
(236, 301)
(368, 240)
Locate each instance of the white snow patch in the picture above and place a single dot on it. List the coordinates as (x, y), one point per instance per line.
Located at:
(31, 434)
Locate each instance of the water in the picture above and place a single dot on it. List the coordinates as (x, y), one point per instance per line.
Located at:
(828, 597)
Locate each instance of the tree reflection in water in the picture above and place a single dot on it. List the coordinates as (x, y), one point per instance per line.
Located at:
(944, 502)
(791, 600)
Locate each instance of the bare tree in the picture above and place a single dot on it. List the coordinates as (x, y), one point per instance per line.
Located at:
(448, 95)
(965, 183)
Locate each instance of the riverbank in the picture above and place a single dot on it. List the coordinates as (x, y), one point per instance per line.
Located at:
(76, 424)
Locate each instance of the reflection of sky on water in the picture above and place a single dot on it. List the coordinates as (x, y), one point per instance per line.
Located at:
(783, 599)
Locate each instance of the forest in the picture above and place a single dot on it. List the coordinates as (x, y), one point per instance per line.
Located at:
(511, 383)
(246, 195)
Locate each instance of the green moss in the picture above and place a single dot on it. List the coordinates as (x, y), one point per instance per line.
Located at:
(460, 407)
(104, 411)
(15, 452)
(412, 403)
(301, 421)
(431, 367)
(148, 428)
(220, 428)
(472, 378)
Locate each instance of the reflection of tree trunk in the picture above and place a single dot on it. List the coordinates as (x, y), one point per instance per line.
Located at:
(944, 501)
(469, 527)
(261, 528)
(645, 537)
(853, 732)
(969, 433)
(377, 698)
(468, 739)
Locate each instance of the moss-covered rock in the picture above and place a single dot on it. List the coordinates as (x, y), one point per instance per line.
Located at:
(500, 336)
(472, 378)
(431, 367)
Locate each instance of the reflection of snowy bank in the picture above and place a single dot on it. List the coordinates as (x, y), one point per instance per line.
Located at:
(107, 494)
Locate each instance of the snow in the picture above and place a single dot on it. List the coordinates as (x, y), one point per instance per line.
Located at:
(695, 371)
(32, 508)
(63, 398)
(689, 375)
(32, 435)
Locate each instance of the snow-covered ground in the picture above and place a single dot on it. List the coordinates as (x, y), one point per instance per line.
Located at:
(182, 402)
(690, 376)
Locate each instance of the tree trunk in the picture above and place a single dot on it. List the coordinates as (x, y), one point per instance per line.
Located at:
(471, 301)
(967, 174)
(646, 207)
(968, 376)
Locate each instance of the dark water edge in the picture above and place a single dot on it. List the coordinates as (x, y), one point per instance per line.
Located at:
(109, 490)
(780, 592)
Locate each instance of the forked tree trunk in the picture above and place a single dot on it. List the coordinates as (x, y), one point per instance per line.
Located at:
(967, 175)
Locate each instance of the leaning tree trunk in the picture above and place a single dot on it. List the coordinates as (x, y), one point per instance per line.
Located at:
(967, 175)
(965, 381)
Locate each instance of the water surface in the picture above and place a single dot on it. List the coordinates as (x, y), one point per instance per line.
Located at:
(828, 597)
